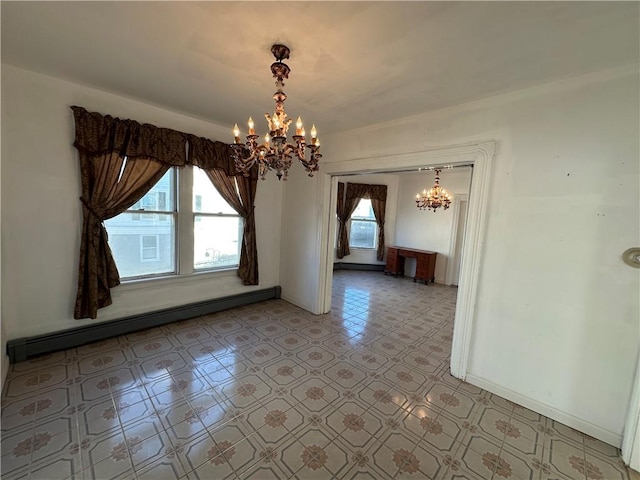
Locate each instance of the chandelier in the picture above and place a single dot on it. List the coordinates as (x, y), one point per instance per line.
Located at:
(435, 198)
(276, 153)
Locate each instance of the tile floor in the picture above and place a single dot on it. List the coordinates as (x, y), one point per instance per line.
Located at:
(271, 391)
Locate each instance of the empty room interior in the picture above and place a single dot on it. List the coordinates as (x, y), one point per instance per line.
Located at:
(421, 262)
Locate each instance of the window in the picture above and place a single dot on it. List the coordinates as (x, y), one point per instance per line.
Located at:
(363, 232)
(184, 209)
(217, 229)
(143, 238)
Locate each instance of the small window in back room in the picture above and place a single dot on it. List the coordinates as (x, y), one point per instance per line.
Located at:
(363, 232)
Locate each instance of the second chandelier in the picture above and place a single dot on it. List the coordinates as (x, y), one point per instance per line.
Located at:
(435, 197)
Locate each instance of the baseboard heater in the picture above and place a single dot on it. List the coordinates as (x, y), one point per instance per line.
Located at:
(22, 349)
(358, 266)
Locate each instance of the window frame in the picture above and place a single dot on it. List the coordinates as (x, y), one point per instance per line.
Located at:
(240, 231)
(184, 219)
(363, 219)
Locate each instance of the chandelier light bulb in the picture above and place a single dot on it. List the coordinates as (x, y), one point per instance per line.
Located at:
(267, 138)
(236, 134)
(251, 129)
(314, 132)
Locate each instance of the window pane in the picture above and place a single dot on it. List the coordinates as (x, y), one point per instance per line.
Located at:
(364, 210)
(142, 247)
(363, 234)
(206, 198)
(160, 197)
(216, 241)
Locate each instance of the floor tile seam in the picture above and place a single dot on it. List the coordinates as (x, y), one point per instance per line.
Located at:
(52, 458)
(129, 446)
(540, 436)
(241, 470)
(475, 452)
(25, 426)
(297, 435)
(264, 404)
(151, 396)
(603, 456)
(177, 457)
(31, 451)
(92, 465)
(125, 425)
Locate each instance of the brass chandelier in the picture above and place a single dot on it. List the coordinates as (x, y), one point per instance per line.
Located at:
(435, 198)
(276, 153)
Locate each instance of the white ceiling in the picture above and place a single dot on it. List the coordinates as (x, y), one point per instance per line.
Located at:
(352, 63)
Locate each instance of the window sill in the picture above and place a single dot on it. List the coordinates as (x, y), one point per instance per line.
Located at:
(143, 283)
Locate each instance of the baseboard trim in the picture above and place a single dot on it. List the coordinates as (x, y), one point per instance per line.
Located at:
(357, 266)
(22, 349)
(572, 421)
(299, 303)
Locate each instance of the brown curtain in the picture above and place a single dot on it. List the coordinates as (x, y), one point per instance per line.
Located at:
(106, 193)
(240, 193)
(238, 190)
(378, 195)
(120, 160)
(344, 208)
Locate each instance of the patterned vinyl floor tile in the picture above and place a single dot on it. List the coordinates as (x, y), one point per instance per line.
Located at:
(269, 391)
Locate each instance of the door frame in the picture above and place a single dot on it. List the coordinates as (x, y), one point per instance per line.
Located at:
(457, 200)
(480, 155)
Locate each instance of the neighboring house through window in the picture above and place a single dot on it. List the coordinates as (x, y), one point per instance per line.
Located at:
(149, 248)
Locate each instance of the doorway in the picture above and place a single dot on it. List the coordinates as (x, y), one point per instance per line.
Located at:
(480, 155)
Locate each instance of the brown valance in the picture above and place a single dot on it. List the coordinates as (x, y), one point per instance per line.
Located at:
(210, 155)
(98, 134)
(363, 190)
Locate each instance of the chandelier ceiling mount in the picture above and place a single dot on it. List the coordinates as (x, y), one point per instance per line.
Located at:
(276, 153)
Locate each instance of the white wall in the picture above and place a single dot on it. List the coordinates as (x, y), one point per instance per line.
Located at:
(557, 315)
(41, 213)
(369, 256)
(425, 229)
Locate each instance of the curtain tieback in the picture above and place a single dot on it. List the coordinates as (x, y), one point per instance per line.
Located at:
(91, 210)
